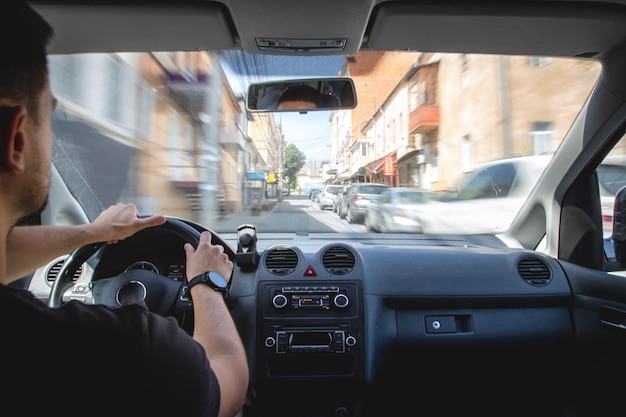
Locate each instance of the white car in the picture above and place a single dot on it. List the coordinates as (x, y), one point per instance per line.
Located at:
(487, 198)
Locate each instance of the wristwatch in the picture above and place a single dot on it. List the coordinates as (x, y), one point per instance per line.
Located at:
(213, 279)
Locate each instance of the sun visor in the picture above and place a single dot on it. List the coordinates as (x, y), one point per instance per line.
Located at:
(136, 28)
(563, 29)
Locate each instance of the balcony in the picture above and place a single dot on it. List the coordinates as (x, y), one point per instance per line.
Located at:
(189, 88)
(424, 119)
(232, 141)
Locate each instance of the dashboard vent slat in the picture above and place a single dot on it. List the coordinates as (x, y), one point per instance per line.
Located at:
(281, 261)
(534, 271)
(339, 260)
(54, 270)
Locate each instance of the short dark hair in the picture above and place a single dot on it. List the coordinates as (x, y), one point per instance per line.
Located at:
(301, 92)
(24, 36)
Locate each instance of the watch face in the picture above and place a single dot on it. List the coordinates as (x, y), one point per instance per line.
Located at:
(218, 279)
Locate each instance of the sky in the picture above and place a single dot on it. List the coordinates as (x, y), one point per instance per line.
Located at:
(309, 132)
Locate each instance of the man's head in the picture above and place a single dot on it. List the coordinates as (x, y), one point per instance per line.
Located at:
(299, 97)
(24, 35)
(26, 105)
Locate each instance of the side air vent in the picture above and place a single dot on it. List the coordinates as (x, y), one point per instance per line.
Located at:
(534, 271)
(54, 270)
(339, 260)
(281, 261)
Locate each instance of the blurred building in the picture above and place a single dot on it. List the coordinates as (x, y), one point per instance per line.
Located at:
(448, 112)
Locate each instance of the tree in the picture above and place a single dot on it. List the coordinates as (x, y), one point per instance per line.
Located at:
(294, 161)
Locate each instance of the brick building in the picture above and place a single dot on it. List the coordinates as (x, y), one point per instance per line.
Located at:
(445, 113)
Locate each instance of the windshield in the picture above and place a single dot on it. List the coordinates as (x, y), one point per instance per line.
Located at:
(170, 132)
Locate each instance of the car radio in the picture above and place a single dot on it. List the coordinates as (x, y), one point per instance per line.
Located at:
(312, 298)
(310, 329)
(310, 340)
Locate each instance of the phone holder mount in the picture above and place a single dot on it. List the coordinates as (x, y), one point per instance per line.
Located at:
(247, 255)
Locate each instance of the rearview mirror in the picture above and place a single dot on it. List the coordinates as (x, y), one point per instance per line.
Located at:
(302, 95)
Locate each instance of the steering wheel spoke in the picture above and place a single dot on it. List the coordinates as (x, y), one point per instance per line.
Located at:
(81, 291)
(137, 286)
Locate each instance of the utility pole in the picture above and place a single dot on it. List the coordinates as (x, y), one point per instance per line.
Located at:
(281, 160)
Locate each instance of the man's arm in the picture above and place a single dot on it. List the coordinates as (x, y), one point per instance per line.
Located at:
(30, 247)
(214, 328)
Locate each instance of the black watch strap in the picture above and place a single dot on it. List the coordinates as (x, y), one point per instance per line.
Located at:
(213, 279)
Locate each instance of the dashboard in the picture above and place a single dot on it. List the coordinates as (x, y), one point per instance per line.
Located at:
(376, 323)
(372, 323)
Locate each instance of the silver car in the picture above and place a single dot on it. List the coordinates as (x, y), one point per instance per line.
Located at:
(398, 210)
(357, 200)
(338, 198)
(327, 197)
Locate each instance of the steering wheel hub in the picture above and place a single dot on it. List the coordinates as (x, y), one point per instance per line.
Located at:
(132, 292)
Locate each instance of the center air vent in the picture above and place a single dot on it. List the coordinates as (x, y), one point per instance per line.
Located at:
(54, 270)
(534, 271)
(281, 261)
(339, 260)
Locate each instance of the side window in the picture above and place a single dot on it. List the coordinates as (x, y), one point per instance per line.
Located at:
(611, 177)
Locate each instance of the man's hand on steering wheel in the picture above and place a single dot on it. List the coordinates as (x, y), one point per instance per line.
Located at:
(206, 258)
(120, 221)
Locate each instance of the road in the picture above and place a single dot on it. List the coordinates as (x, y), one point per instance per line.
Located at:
(296, 213)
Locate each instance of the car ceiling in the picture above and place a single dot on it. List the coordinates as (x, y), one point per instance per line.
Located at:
(559, 28)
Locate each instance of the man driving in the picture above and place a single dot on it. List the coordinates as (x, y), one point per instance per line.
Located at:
(92, 359)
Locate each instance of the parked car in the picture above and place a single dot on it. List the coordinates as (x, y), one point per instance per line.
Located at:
(314, 192)
(503, 310)
(398, 210)
(338, 198)
(357, 200)
(326, 198)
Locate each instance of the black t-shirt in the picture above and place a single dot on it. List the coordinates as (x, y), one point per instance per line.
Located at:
(87, 360)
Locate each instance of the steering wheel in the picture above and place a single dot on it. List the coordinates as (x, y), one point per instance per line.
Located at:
(158, 292)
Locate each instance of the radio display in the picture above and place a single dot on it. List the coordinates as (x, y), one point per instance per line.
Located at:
(310, 340)
(311, 300)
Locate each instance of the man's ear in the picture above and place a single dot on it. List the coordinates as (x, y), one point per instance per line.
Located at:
(12, 138)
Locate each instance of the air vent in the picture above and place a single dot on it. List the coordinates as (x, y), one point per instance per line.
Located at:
(54, 270)
(534, 271)
(338, 260)
(281, 261)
